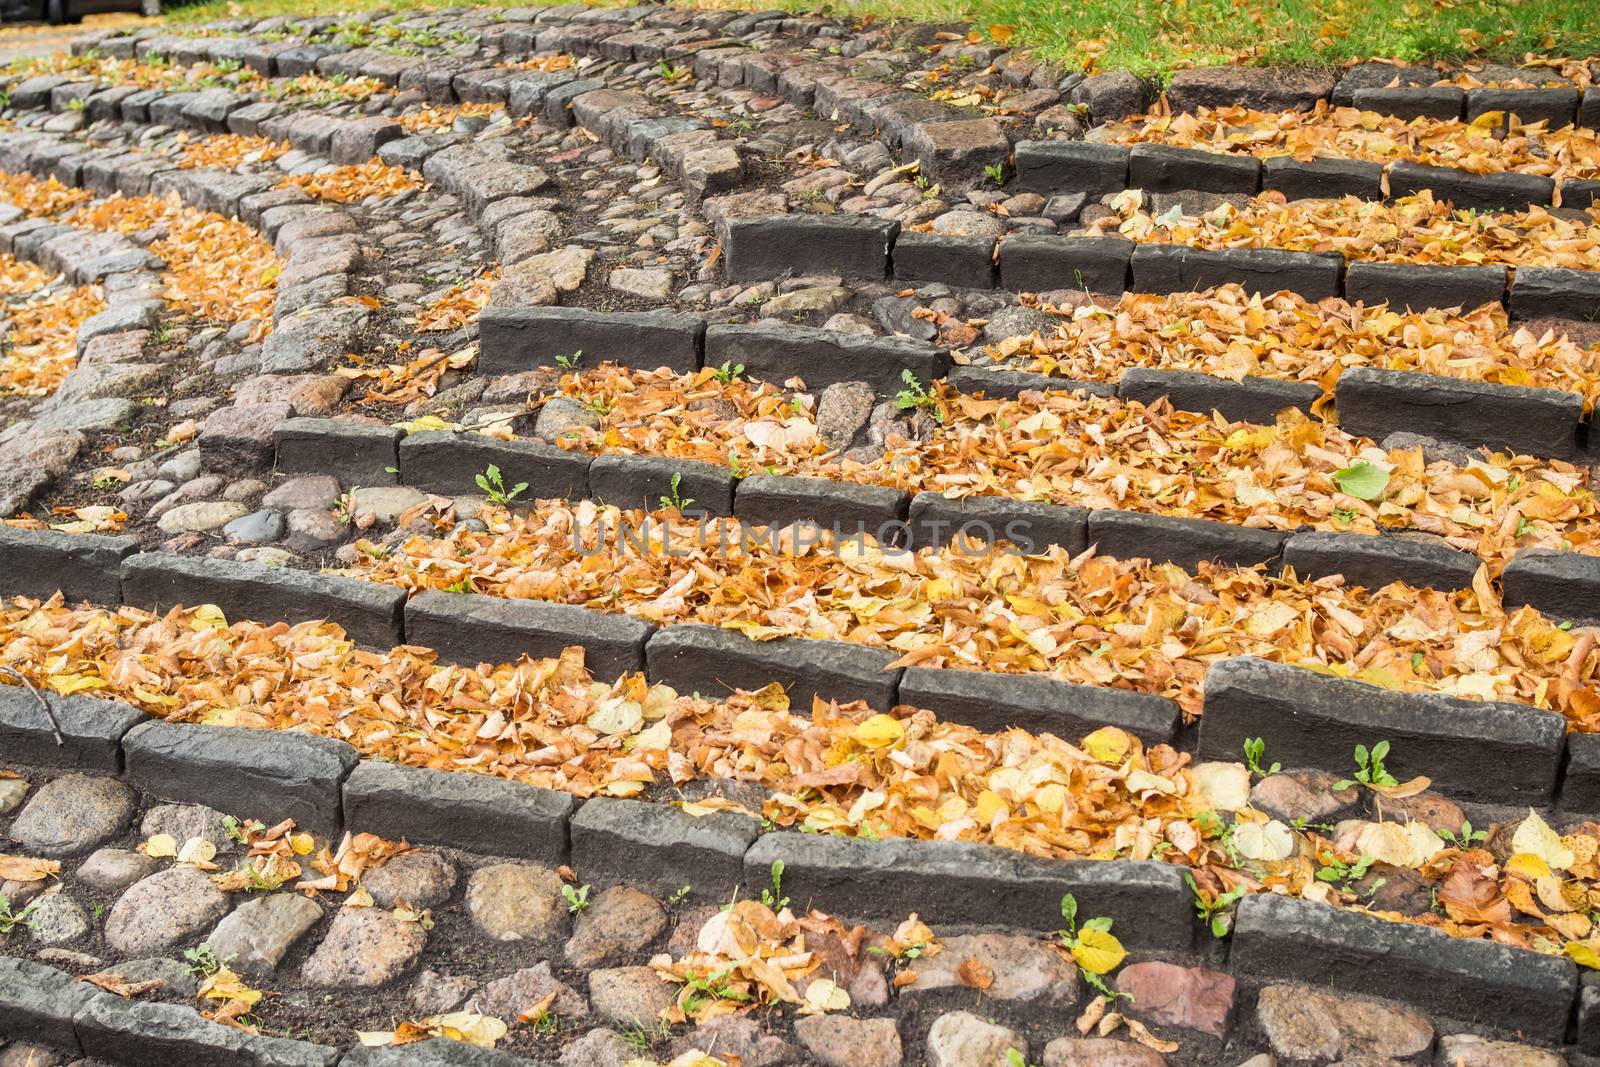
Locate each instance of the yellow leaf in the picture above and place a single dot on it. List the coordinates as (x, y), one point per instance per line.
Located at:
(1583, 954)
(880, 731)
(1098, 951)
(1528, 865)
(1534, 836)
(1108, 744)
(301, 844)
(225, 985)
(161, 846)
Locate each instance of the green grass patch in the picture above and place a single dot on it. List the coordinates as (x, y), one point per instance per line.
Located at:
(1152, 38)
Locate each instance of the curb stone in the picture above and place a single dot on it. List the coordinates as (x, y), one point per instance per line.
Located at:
(232, 768)
(1473, 981)
(92, 730)
(1164, 168)
(518, 339)
(1564, 585)
(964, 261)
(1311, 720)
(37, 1003)
(458, 809)
(37, 563)
(472, 628)
(1037, 703)
(1037, 263)
(694, 657)
(635, 481)
(1554, 293)
(1322, 178)
(356, 453)
(1253, 399)
(1186, 542)
(649, 845)
(999, 383)
(1541, 422)
(144, 1034)
(370, 613)
(1419, 286)
(962, 882)
(823, 357)
(447, 463)
(936, 519)
(1164, 268)
(847, 508)
(1374, 562)
(849, 245)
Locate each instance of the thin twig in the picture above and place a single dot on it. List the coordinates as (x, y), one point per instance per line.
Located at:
(49, 712)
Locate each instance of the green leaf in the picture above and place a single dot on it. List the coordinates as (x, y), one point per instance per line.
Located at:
(1362, 480)
(1069, 910)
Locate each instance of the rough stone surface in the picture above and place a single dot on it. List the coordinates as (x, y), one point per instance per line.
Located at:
(1309, 1024)
(72, 814)
(962, 1039)
(1191, 997)
(1098, 1052)
(111, 870)
(630, 996)
(255, 936)
(422, 879)
(740, 1036)
(363, 949)
(1025, 969)
(1470, 1050)
(840, 1041)
(600, 1047)
(618, 924)
(163, 910)
(509, 997)
(517, 902)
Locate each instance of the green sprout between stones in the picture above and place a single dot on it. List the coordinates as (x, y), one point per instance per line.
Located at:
(915, 397)
(577, 898)
(674, 499)
(494, 487)
(1255, 751)
(1370, 770)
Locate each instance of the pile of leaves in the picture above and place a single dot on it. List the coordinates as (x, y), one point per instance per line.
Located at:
(352, 182)
(1068, 448)
(40, 198)
(1230, 332)
(155, 71)
(229, 151)
(1492, 143)
(217, 268)
(458, 305)
(19, 276)
(757, 954)
(1412, 229)
(836, 769)
(41, 347)
(432, 117)
(1128, 624)
(549, 64)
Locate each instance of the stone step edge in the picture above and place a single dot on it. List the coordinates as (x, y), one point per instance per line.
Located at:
(446, 463)
(1095, 168)
(247, 199)
(43, 1005)
(1530, 420)
(762, 248)
(1406, 101)
(871, 880)
(1243, 696)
